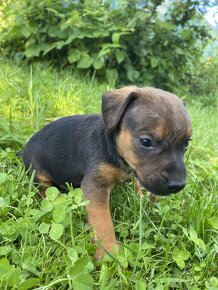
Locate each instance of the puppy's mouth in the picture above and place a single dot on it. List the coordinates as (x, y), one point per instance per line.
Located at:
(154, 190)
(160, 190)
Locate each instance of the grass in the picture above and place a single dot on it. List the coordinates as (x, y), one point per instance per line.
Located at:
(46, 244)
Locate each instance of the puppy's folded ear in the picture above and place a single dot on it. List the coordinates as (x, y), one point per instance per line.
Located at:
(114, 104)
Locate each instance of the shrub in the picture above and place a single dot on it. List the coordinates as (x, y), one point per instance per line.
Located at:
(202, 83)
(133, 44)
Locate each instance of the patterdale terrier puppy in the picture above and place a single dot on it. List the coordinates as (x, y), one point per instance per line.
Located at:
(142, 131)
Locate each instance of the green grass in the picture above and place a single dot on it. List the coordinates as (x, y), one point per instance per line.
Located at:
(46, 244)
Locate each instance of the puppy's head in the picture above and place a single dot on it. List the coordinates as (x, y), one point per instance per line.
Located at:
(152, 130)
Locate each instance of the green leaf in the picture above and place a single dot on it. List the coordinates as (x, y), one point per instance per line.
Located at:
(29, 283)
(59, 44)
(112, 285)
(46, 205)
(120, 55)
(179, 256)
(72, 254)
(166, 208)
(116, 38)
(49, 48)
(85, 62)
(83, 282)
(78, 192)
(59, 214)
(154, 62)
(178, 50)
(132, 74)
(14, 277)
(25, 31)
(78, 195)
(2, 202)
(5, 267)
(56, 231)
(104, 51)
(186, 33)
(44, 228)
(167, 25)
(116, 35)
(3, 177)
(140, 285)
(83, 265)
(51, 193)
(214, 222)
(61, 200)
(194, 237)
(4, 250)
(74, 55)
(212, 284)
(107, 48)
(147, 246)
(98, 63)
(55, 32)
(111, 75)
(33, 50)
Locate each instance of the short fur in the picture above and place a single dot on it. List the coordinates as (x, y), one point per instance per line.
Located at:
(95, 151)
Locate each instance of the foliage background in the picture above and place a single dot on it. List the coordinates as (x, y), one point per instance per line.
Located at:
(57, 58)
(154, 43)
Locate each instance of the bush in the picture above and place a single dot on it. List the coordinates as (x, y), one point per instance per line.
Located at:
(202, 83)
(130, 44)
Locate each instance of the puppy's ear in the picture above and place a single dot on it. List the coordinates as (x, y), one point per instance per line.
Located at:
(114, 104)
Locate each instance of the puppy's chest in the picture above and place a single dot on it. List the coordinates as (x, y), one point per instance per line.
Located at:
(124, 175)
(111, 174)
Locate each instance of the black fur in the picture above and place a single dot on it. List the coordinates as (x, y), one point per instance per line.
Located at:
(68, 148)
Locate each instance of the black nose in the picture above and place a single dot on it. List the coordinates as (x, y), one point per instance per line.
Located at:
(175, 186)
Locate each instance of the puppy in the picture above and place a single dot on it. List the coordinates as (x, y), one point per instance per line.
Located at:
(144, 131)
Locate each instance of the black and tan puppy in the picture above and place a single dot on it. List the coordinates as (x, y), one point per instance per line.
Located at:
(144, 131)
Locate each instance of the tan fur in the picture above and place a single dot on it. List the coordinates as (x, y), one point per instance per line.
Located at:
(160, 132)
(100, 221)
(110, 173)
(43, 179)
(99, 217)
(44, 182)
(125, 148)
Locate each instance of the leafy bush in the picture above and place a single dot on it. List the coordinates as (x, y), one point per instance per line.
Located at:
(202, 83)
(130, 44)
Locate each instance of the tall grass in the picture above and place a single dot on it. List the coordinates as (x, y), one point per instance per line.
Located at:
(170, 244)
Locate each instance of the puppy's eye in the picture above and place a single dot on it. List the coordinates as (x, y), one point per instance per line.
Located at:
(146, 142)
(186, 144)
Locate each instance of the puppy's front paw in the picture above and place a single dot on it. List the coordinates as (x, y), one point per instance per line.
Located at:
(102, 250)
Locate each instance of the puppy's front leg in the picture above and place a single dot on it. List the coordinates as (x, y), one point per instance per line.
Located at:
(99, 219)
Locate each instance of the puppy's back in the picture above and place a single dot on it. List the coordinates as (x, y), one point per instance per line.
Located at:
(60, 148)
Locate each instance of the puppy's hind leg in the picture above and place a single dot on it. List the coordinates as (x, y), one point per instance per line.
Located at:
(44, 182)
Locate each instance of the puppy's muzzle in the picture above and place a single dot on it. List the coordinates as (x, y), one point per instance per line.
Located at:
(163, 186)
(174, 186)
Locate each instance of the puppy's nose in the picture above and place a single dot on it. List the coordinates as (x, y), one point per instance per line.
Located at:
(174, 187)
